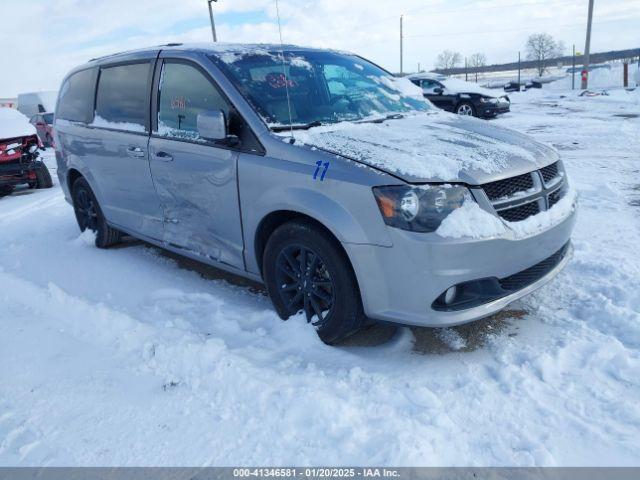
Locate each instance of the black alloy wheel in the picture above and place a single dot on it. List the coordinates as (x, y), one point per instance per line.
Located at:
(86, 211)
(89, 215)
(305, 283)
(306, 270)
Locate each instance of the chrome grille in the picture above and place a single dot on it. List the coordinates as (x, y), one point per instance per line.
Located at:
(517, 198)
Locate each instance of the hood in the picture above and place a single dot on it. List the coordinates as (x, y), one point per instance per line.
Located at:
(14, 124)
(434, 147)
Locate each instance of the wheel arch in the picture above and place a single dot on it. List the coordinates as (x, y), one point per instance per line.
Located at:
(72, 175)
(275, 219)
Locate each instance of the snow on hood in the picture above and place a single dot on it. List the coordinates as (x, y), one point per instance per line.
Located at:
(14, 124)
(434, 146)
(453, 85)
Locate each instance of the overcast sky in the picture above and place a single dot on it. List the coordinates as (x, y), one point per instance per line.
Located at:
(41, 40)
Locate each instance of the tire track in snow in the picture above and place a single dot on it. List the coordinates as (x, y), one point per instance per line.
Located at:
(53, 197)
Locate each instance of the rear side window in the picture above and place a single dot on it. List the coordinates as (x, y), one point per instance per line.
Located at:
(122, 101)
(184, 93)
(76, 97)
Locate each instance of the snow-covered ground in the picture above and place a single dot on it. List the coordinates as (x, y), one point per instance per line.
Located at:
(128, 357)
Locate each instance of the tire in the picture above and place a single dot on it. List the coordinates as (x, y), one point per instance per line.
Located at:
(330, 286)
(466, 109)
(48, 141)
(6, 190)
(89, 215)
(43, 177)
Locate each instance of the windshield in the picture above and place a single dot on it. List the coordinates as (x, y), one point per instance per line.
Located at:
(48, 118)
(325, 87)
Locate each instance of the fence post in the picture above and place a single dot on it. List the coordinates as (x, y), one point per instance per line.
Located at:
(573, 70)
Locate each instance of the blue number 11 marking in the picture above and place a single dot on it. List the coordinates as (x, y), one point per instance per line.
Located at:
(324, 172)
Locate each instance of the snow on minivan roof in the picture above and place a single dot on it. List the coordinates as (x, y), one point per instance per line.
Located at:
(221, 47)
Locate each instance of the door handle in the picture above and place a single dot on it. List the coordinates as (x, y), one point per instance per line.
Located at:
(164, 156)
(135, 152)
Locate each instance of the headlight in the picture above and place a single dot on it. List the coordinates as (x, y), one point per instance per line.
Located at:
(488, 100)
(421, 208)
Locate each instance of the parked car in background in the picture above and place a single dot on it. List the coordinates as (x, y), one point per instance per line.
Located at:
(318, 173)
(32, 103)
(43, 123)
(458, 96)
(514, 86)
(19, 145)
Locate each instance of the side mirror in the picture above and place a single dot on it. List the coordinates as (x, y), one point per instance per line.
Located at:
(212, 125)
(438, 90)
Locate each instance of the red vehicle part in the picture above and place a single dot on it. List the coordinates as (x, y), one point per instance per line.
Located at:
(17, 160)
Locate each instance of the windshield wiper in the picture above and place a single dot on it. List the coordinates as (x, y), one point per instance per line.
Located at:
(297, 126)
(392, 116)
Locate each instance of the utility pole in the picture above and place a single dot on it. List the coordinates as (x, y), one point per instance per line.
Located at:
(401, 38)
(519, 71)
(213, 25)
(587, 48)
(419, 67)
(466, 71)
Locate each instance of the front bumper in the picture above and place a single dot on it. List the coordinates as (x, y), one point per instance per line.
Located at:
(491, 110)
(400, 283)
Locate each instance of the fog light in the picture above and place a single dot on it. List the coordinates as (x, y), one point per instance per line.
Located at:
(450, 294)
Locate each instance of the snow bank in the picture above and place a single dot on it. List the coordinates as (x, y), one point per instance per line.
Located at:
(598, 78)
(14, 124)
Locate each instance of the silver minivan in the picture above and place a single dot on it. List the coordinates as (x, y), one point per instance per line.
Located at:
(317, 173)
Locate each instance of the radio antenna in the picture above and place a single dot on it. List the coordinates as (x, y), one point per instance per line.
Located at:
(284, 72)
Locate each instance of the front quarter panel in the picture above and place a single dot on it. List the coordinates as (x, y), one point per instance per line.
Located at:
(283, 180)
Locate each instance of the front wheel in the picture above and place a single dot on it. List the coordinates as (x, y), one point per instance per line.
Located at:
(43, 177)
(89, 215)
(306, 270)
(467, 109)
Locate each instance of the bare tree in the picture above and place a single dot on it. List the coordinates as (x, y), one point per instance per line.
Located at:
(448, 59)
(477, 60)
(541, 47)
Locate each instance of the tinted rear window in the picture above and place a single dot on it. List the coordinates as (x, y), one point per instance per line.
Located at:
(76, 97)
(122, 99)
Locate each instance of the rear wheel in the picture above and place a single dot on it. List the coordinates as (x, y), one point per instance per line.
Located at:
(306, 271)
(89, 215)
(466, 108)
(43, 177)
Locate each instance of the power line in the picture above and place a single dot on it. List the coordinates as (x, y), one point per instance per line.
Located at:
(516, 29)
(466, 9)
